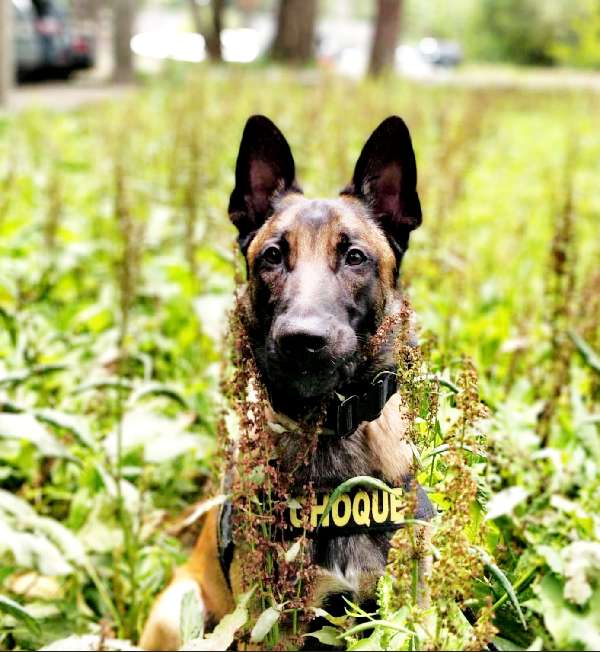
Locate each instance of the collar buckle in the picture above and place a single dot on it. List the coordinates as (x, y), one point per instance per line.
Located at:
(366, 407)
(347, 416)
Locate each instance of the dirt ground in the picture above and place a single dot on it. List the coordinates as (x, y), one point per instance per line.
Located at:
(64, 96)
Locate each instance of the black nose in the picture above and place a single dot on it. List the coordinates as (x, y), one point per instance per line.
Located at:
(301, 344)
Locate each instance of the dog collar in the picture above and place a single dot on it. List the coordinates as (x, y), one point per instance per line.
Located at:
(347, 413)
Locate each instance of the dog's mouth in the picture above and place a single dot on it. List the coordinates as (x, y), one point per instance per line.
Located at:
(307, 378)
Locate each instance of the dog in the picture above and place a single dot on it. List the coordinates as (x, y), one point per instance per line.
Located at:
(322, 276)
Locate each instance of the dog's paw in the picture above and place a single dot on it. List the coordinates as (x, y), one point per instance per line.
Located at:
(163, 628)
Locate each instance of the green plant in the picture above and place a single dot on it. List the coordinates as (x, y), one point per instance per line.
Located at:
(112, 312)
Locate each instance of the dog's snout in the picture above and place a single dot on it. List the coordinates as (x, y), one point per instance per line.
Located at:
(300, 344)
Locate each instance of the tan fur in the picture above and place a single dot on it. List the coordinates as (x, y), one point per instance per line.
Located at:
(345, 214)
(388, 444)
(386, 440)
(391, 453)
(203, 571)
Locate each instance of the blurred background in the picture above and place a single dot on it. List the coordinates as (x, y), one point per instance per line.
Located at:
(45, 39)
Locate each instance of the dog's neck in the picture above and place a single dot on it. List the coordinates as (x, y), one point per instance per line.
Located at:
(341, 415)
(322, 409)
(318, 409)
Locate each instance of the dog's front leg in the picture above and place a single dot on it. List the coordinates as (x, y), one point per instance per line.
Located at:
(202, 574)
(162, 630)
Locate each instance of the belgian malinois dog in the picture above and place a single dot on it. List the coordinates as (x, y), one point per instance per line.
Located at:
(322, 276)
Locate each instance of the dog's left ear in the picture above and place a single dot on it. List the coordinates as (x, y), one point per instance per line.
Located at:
(385, 178)
(265, 169)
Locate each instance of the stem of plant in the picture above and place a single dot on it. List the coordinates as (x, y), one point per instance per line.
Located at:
(522, 583)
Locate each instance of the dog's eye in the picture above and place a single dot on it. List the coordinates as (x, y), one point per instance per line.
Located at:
(273, 255)
(355, 257)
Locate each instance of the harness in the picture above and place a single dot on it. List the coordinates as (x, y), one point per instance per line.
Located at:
(361, 511)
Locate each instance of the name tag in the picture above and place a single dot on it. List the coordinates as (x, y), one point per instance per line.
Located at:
(361, 509)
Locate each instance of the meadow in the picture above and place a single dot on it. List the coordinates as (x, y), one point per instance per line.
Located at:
(118, 266)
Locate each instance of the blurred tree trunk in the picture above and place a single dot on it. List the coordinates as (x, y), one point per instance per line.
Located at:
(295, 37)
(385, 36)
(212, 36)
(213, 42)
(6, 51)
(123, 23)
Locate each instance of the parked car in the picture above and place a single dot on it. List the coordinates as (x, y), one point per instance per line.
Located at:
(440, 53)
(47, 42)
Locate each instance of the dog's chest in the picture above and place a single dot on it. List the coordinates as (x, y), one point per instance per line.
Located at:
(350, 561)
(346, 556)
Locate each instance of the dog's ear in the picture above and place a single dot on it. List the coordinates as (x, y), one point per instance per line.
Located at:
(264, 169)
(385, 178)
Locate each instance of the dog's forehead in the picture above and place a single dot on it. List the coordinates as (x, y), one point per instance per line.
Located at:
(313, 227)
(327, 217)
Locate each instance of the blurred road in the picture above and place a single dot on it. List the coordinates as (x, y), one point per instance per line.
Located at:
(344, 45)
(65, 96)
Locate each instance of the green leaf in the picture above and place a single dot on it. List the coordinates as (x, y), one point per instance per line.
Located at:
(505, 502)
(33, 551)
(15, 610)
(76, 425)
(338, 621)
(586, 351)
(67, 541)
(10, 324)
(372, 643)
(446, 447)
(159, 437)
(505, 645)
(16, 506)
(327, 636)
(552, 558)
(363, 627)
(21, 376)
(504, 581)
(265, 623)
(90, 643)
(569, 626)
(455, 389)
(222, 635)
(292, 552)
(26, 427)
(158, 389)
(109, 383)
(191, 623)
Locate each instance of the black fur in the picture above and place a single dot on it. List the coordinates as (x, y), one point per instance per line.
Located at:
(264, 168)
(385, 178)
(349, 300)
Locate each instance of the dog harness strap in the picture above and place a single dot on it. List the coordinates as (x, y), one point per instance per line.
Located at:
(225, 539)
(345, 417)
(350, 520)
(362, 510)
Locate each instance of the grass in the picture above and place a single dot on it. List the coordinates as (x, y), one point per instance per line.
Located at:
(117, 265)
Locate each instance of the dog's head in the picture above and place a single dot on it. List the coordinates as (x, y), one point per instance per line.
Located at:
(320, 272)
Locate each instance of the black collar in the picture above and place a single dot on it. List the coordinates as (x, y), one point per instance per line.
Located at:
(345, 414)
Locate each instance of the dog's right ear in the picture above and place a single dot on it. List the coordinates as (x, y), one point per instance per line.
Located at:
(264, 169)
(385, 178)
